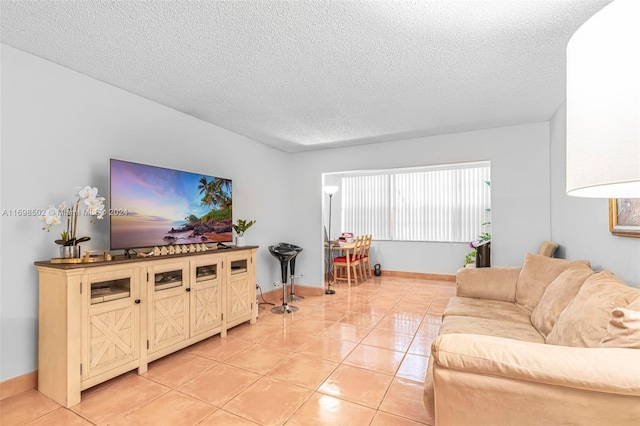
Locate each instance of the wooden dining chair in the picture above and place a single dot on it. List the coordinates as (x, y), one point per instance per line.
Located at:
(365, 262)
(349, 264)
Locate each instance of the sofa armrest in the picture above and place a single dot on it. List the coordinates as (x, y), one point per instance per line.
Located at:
(604, 370)
(496, 283)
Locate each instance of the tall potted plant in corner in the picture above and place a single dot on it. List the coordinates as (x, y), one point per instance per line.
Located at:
(240, 227)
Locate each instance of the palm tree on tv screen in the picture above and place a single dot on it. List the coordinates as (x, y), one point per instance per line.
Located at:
(214, 194)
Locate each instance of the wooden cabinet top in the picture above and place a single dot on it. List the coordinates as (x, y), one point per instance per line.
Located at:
(122, 259)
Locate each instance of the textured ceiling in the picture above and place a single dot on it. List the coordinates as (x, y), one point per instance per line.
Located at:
(315, 74)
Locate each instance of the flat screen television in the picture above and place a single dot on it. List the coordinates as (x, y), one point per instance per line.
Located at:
(154, 206)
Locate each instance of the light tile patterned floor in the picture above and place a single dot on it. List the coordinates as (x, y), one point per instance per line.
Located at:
(357, 357)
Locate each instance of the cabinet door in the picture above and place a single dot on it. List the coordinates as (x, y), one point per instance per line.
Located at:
(168, 292)
(239, 289)
(206, 295)
(111, 327)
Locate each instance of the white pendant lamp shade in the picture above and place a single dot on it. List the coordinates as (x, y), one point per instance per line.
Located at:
(603, 104)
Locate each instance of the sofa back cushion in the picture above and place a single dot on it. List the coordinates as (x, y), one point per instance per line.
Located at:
(584, 322)
(536, 274)
(623, 330)
(557, 296)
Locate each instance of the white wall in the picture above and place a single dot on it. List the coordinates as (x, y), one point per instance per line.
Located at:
(59, 129)
(581, 225)
(520, 185)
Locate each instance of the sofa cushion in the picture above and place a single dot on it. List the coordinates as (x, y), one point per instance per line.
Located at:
(623, 330)
(490, 327)
(536, 274)
(557, 296)
(584, 322)
(490, 309)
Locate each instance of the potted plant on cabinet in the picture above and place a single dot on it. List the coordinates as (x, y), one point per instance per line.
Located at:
(240, 227)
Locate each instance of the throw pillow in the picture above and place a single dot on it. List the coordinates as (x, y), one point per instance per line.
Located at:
(557, 296)
(623, 330)
(584, 322)
(536, 274)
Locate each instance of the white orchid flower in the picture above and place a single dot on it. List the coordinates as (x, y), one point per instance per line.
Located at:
(51, 214)
(100, 213)
(95, 206)
(53, 220)
(93, 202)
(51, 217)
(87, 192)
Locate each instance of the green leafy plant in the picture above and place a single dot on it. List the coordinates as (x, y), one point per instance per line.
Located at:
(482, 238)
(242, 225)
(470, 257)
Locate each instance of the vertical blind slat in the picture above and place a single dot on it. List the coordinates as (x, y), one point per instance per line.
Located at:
(448, 204)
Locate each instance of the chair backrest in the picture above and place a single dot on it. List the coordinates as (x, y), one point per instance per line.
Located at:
(547, 248)
(358, 246)
(367, 244)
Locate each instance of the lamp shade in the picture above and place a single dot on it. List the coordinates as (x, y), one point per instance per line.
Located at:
(330, 189)
(603, 104)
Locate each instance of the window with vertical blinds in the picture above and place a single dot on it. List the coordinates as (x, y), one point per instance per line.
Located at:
(448, 203)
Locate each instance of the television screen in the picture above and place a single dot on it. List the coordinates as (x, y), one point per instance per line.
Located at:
(155, 206)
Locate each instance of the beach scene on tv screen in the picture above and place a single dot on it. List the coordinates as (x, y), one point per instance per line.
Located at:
(154, 206)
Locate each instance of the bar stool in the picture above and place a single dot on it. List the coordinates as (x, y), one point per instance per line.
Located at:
(284, 256)
(292, 267)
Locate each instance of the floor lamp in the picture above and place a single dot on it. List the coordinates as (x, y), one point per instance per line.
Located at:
(330, 190)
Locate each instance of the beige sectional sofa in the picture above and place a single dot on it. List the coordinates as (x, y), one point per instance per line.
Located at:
(551, 343)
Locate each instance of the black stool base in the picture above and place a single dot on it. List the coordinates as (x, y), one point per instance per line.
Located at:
(329, 291)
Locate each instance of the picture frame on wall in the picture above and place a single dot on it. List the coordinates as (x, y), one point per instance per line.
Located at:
(624, 217)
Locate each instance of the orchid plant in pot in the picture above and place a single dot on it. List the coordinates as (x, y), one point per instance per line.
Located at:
(240, 227)
(87, 203)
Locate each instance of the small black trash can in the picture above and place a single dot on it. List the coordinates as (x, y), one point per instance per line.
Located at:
(483, 255)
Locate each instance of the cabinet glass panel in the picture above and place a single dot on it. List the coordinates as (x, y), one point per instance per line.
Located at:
(105, 291)
(169, 279)
(238, 266)
(206, 272)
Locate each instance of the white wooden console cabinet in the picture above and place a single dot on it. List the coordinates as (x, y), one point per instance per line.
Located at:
(100, 320)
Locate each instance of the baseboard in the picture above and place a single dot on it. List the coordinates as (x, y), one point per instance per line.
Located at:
(19, 384)
(419, 275)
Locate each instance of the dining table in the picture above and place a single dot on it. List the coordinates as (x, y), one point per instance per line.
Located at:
(335, 245)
